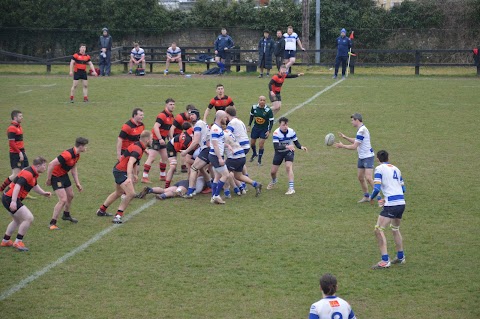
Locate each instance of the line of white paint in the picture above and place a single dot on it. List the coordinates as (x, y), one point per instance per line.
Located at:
(299, 106)
(22, 284)
(39, 85)
(27, 91)
(162, 85)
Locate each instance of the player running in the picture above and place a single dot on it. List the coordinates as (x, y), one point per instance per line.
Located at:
(125, 174)
(57, 177)
(284, 142)
(262, 126)
(275, 86)
(12, 199)
(78, 69)
(160, 132)
(388, 179)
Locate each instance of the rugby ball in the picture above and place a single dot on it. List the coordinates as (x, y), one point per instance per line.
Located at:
(329, 139)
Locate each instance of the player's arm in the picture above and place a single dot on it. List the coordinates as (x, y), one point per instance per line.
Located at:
(13, 145)
(207, 112)
(353, 146)
(92, 68)
(142, 58)
(299, 146)
(50, 168)
(250, 120)
(119, 147)
(270, 87)
(377, 185)
(172, 129)
(289, 76)
(350, 139)
(230, 43)
(40, 191)
(72, 63)
(132, 162)
(300, 44)
(75, 178)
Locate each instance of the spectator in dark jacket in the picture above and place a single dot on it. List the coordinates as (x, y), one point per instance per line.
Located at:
(343, 46)
(265, 51)
(223, 43)
(105, 44)
(279, 49)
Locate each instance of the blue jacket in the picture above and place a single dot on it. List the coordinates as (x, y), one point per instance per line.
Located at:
(223, 42)
(343, 46)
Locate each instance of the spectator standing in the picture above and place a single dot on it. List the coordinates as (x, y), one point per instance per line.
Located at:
(105, 44)
(223, 44)
(279, 49)
(265, 52)
(343, 46)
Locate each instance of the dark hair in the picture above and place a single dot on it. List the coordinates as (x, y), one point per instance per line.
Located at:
(382, 156)
(81, 141)
(289, 27)
(186, 125)
(169, 100)
(39, 160)
(266, 31)
(280, 31)
(15, 113)
(82, 45)
(219, 85)
(190, 107)
(283, 119)
(231, 110)
(196, 112)
(136, 110)
(328, 283)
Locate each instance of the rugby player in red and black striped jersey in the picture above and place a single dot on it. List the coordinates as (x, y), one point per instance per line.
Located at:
(130, 132)
(177, 128)
(275, 86)
(18, 157)
(160, 131)
(78, 68)
(57, 177)
(220, 102)
(125, 174)
(12, 199)
(179, 143)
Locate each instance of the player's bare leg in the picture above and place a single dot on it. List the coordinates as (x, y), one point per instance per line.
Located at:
(22, 219)
(362, 175)
(382, 223)
(72, 90)
(290, 62)
(289, 169)
(152, 155)
(397, 237)
(65, 197)
(276, 106)
(85, 90)
(172, 161)
(273, 174)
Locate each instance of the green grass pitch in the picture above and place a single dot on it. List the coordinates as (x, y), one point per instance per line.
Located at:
(254, 257)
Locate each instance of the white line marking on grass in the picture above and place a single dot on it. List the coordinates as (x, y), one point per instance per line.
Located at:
(164, 85)
(299, 106)
(39, 85)
(27, 91)
(22, 284)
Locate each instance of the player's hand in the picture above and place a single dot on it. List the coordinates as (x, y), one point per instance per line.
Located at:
(71, 73)
(21, 157)
(79, 187)
(47, 194)
(300, 74)
(291, 148)
(216, 52)
(135, 179)
(342, 135)
(48, 182)
(183, 153)
(248, 128)
(221, 161)
(13, 206)
(267, 134)
(161, 141)
(304, 149)
(303, 49)
(372, 202)
(94, 73)
(272, 93)
(338, 145)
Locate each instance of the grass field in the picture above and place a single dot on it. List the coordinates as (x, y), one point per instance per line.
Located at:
(254, 257)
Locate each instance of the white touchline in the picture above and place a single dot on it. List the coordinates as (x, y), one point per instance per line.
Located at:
(22, 284)
(299, 106)
(27, 91)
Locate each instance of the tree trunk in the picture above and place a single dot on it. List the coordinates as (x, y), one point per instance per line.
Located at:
(306, 29)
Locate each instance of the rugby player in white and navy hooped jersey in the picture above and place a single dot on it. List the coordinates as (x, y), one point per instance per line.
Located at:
(215, 156)
(389, 180)
(366, 157)
(174, 54)
(137, 56)
(291, 40)
(284, 142)
(330, 306)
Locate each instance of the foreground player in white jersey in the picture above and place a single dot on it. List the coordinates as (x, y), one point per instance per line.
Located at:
(284, 142)
(388, 179)
(215, 156)
(238, 128)
(291, 40)
(331, 306)
(366, 157)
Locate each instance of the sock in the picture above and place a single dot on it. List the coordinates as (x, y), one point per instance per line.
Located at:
(290, 184)
(6, 182)
(214, 188)
(146, 170)
(244, 186)
(227, 192)
(163, 168)
(19, 238)
(66, 214)
(260, 154)
(385, 257)
(366, 194)
(53, 222)
(103, 208)
(149, 190)
(163, 196)
(400, 254)
(85, 98)
(254, 184)
(71, 97)
(220, 185)
(6, 237)
(120, 212)
(167, 184)
(190, 190)
(274, 180)
(236, 190)
(254, 150)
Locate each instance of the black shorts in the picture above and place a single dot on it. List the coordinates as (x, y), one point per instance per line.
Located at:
(6, 200)
(222, 54)
(393, 211)
(289, 54)
(59, 182)
(213, 159)
(235, 165)
(259, 132)
(157, 146)
(182, 183)
(275, 98)
(80, 75)
(204, 155)
(171, 152)
(120, 177)
(15, 160)
(280, 156)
